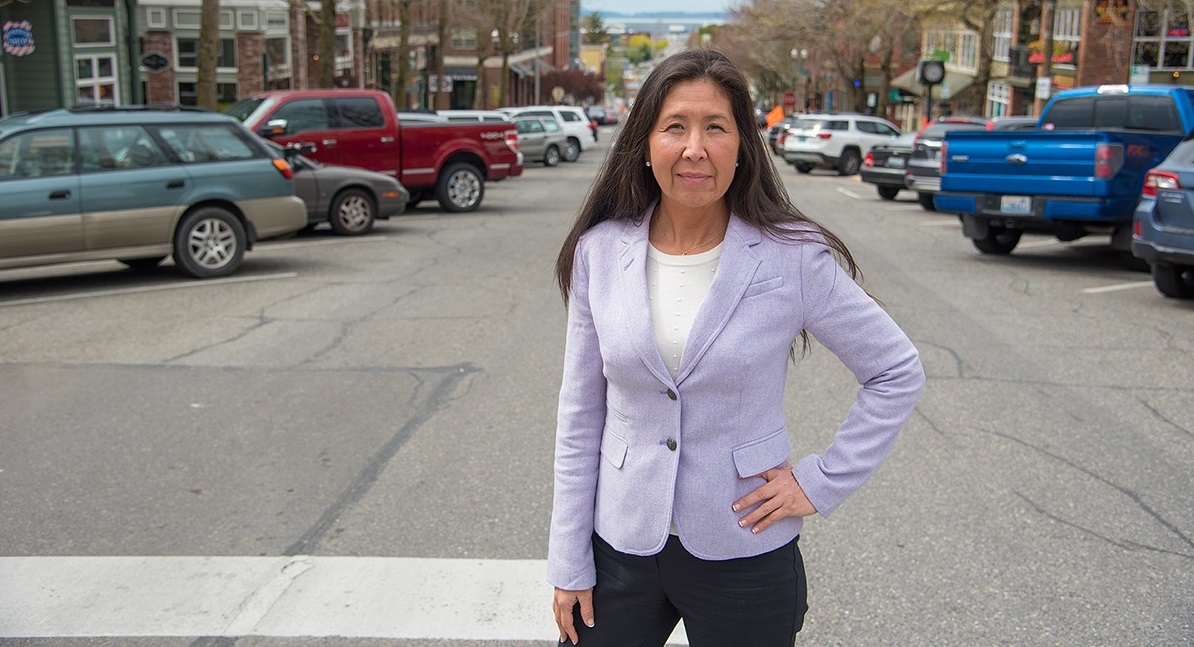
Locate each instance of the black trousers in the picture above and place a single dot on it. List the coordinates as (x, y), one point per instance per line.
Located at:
(755, 601)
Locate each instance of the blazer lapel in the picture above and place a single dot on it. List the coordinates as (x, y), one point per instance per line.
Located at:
(735, 269)
(637, 307)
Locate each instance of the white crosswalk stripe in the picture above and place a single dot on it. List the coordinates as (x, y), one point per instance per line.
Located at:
(356, 597)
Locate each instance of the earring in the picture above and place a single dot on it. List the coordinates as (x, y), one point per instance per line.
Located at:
(648, 162)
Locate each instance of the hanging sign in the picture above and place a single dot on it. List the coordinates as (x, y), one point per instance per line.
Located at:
(18, 37)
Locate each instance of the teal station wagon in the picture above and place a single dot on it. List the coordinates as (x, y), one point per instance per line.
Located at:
(138, 184)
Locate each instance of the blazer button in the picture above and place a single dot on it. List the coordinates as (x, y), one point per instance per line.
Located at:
(671, 444)
(671, 394)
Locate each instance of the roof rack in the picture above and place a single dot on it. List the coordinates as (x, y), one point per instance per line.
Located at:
(157, 107)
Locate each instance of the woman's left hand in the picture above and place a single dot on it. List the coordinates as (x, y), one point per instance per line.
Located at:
(780, 497)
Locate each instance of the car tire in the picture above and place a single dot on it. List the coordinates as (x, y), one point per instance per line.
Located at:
(572, 150)
(999, 240)
(142, 264)
(551, 157)
(803, 167)
(352, 213)
(926, 201)
(209, 242)
(849, 162)
(887, 192)
(1174, 281)
(460, 188)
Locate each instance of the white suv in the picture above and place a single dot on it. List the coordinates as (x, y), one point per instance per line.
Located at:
(574, 121)
(837, 141)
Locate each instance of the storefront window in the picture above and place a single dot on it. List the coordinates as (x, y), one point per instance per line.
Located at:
(95, 80)
(1163, 39)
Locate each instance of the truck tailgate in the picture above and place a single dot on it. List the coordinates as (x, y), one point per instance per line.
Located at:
(1048, 163)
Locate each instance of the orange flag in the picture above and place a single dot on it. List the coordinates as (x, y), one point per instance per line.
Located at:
(775, 116)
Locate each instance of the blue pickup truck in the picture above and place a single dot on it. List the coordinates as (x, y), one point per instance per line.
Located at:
(1080, 172)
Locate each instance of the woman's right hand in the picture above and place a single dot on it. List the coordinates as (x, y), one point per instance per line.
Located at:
(562, 604)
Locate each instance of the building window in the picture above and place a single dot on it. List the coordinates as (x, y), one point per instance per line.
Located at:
(184, 18)
(246, 20)
(277, 57)
(155, 18)
(95, 80)
(961, 45)
(1002, 35)
(188, 93)
(999, 100)
(464, 39)
(91, 31)
(1163, 39)
(276, 21)
(188, 53)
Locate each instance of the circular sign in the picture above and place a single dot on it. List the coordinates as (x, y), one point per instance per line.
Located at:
(155, 62)
(789, 101)
(557, 93)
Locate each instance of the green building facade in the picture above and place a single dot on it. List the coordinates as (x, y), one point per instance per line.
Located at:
(63, 53)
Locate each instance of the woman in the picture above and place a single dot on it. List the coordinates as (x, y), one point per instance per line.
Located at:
(688, 277)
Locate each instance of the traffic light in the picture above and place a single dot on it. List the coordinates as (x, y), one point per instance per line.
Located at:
(930, 72)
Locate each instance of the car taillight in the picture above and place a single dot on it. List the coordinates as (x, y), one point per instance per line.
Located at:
(824, 135)
(944, 155)
(783, 137)
(869, 160)
(1108, 159)
(284, 168)
(1160, 180)
(512, 140)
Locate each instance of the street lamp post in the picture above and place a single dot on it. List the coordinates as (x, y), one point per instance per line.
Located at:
(800, 56)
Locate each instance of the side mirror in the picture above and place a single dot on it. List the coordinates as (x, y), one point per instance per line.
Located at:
(273, 128)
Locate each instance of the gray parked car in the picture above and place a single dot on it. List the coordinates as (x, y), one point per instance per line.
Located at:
(350, 199)
(541, 139)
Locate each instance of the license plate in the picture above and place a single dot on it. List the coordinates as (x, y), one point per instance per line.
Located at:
(801, 138)
(1016, 205)
(895, 162)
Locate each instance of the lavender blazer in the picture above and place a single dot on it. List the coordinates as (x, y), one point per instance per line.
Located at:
(636, 448)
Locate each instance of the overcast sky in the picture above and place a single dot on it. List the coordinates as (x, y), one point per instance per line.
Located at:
(643, 6)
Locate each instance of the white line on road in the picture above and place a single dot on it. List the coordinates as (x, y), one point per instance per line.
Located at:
(1117, 287)
(150, 288)
(848, 193)
(325, 241)
(355, 597)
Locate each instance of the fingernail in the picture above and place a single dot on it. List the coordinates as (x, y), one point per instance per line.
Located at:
(735, 507)
(589, 623)
(741, 523)
(755, 530)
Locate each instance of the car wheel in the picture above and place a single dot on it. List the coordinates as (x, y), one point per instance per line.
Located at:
(926, 201)
(209, 242)
(849, 162)
(572, 150)
(460, 188)
(998, 241)
(1174, 281)
(352, 213)
(143, 264)
(803, 167)
(887, 192)
(552, 156)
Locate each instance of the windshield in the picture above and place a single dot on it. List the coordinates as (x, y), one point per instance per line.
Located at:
(242, 109)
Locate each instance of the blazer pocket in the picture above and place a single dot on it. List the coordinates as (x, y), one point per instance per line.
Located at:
(762, 287)
(757, 456)
(613, 449)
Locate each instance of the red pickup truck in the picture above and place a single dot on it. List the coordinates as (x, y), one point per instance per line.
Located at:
(360, 128)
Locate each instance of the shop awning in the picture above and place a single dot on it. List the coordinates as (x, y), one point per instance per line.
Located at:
(956, 81)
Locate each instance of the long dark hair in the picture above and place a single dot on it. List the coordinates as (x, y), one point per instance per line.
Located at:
(625, 186)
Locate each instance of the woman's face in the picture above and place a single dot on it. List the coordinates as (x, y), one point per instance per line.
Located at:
(693, 146)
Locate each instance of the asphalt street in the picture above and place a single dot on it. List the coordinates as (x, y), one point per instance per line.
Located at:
(376, 415)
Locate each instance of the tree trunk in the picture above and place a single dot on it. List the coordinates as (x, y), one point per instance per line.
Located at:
(209, 42)
(402, 86)
(327, 44)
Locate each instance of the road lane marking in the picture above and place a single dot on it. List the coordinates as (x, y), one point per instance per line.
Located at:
(848, 193)
(1117, 287)
(354, 597)
(150, 288)
(316, 243)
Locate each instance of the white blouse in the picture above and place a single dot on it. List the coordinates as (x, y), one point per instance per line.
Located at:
(676, 286)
